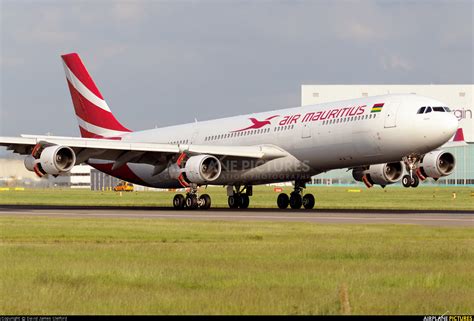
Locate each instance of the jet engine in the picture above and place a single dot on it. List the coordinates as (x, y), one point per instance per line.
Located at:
(202, 169)
(53, 160)
(436, 164)
(198, 169)
(380, 174)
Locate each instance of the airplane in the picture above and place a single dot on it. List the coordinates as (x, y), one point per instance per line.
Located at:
(382, 139)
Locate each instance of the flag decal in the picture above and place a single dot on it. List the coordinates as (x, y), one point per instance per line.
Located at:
(377, 108)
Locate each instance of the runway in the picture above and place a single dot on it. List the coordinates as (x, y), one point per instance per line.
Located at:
(434, 218)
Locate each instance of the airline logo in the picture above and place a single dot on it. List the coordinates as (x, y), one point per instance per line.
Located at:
(93, 114)
(323, 115)
(256, 124)
(377, 108)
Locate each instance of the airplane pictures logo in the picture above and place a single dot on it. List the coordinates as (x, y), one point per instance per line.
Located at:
(256, 124)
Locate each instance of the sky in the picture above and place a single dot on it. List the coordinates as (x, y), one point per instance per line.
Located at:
(160, 63)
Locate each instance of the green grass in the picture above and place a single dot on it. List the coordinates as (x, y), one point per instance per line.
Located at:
(143, 266)
(326, 197)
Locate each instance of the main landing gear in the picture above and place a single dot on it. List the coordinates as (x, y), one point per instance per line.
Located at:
(411, 180)
(192, 201)
(239, 197)
(296, 199)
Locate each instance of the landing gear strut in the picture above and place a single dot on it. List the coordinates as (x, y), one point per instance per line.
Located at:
(192, 201)
(296, 199)
(239, 197)
(411, 163)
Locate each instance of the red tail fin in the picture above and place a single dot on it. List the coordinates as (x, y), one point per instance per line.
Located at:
(459, 136)
(93, 114)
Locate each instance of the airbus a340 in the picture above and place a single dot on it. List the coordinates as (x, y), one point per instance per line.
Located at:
(382, 139)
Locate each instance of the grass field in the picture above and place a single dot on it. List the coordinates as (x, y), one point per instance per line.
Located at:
(326, 197)
(142, 266)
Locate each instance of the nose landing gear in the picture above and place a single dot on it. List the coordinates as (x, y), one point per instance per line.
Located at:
(410, 181)
(296, 200)
(411, 163)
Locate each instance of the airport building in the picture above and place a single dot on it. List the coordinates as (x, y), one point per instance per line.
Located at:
(458, 98)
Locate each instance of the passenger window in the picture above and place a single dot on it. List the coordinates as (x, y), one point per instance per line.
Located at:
(421, 110)
(428, 110)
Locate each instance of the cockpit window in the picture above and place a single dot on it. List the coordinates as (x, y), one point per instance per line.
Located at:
(428, 110)
(421, 110)
(440, 109)
(447, 109)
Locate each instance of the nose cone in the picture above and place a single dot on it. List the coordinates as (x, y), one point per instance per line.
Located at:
(438, 129)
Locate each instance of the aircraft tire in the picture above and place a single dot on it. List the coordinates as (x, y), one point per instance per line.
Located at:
(234, 201)
(308, 201)
(406, 181)
(191, 201)
(296, 201)
(179, 202)
(205, 201)
(244, 201)
(415, 181)
(283, 200)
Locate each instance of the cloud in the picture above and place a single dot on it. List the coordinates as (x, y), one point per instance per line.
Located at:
(129, 11)
(10, 61)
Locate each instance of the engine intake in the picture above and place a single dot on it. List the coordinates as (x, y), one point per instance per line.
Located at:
(437, 164)
(380, 174)
(55, 160)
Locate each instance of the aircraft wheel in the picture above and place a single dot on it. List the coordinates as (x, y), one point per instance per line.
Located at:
(415, 181)
(308, 201)
(234, 201)
(244, 201)
(191, 201)
(283, 200)
(406, 181)
(205, 201)
(179, 202)
(296, 201)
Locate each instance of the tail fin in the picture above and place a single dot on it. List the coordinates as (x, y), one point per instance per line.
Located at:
(456, 141)
(93, 114)
(459, 136)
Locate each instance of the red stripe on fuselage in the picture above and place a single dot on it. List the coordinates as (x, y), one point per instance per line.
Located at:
(92, 114)
(75, 64)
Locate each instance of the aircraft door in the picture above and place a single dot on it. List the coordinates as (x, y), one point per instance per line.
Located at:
(306, 131)
(391, 111)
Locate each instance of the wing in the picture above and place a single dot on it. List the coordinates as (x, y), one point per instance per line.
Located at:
(134, 152)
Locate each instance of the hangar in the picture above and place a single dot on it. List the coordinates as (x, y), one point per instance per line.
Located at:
(458, 98)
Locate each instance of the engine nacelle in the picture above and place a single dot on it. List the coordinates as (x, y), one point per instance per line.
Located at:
(30, 163)
(436, 164)
(202, 169)
(55, 160)
(381, 174)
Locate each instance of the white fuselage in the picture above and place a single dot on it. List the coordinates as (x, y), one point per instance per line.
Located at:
(318, 138)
